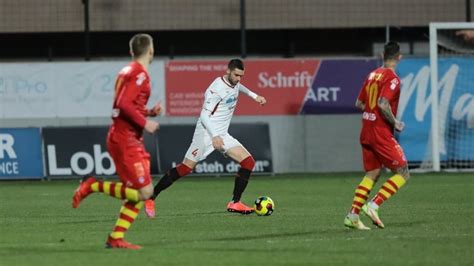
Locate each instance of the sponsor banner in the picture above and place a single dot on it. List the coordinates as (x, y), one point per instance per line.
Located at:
(336, 86)
(77, 151)
(284, 83)
(456, 108)
(65, 89)
(174, 141)
(20, 153)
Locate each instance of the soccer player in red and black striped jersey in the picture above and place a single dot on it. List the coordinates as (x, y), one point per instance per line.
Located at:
(378, 99)
(125, 142)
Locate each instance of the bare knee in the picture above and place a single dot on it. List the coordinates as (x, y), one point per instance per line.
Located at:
(189, 163)
(373, 174)
(403, 171)
(145, 193)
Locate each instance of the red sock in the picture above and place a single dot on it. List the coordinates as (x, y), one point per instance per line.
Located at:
(248, 163)
(378, 199)
(183, 170)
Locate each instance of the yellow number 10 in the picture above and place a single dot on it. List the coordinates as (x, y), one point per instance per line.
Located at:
(372, 91)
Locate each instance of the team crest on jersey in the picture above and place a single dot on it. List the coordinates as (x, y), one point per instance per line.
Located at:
(140, 78)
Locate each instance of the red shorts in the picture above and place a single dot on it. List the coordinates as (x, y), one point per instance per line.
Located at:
(379, 148)
(132, 163)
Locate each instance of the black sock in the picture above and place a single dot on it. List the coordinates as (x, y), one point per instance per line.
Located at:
(166, 181)
(240, 183)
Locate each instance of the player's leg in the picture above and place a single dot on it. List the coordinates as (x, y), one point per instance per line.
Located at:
(118, 190)
(137, 176)
(392, 156)
(173, 174)
(200, 148)
(239, 154)
(372, 167)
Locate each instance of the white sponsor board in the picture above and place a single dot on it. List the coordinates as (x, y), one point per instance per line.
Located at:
(65, 89)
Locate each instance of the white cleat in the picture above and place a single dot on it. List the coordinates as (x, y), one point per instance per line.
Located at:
(373, 214)
(353, 222)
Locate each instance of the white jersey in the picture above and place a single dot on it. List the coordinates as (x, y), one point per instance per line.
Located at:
(220, 100)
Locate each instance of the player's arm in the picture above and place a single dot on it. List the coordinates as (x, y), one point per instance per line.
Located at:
(127, 95)
(212, 100)
(155, 110)
(260, 99)
(384, 104)
(360, 102)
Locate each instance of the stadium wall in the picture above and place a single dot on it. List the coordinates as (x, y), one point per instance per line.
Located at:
(313, 124)
(322, 143)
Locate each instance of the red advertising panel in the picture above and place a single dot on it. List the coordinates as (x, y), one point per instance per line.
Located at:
(284, 83)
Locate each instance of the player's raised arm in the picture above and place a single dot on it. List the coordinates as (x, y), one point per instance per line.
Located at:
(260, 99)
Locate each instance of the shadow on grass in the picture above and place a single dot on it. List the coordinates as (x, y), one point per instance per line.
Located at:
(89, 221)
(261, 237)
(192, 214)
(21, 251)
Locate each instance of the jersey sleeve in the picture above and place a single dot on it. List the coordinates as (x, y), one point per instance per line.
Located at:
(390, 88)
(248, 92)
(128, 94)
(212, 97)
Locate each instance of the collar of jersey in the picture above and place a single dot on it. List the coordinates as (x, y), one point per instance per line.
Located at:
(226, 83)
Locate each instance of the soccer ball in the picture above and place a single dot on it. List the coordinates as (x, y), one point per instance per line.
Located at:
(264, 206)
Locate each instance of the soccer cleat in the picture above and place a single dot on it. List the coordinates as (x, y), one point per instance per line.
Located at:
(239, 207)
(83, 190)
(355, 223)
(373, 215)
(120, 243)
(150, 208)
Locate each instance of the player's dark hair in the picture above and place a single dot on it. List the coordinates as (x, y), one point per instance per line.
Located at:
(391, 50)
(235, 63)
(139, 44)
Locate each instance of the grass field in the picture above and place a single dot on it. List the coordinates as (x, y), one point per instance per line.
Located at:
(429, 222)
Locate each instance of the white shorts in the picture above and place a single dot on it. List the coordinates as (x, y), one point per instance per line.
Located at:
(201, 146)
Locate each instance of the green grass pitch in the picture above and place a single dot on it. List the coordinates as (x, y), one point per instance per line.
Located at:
(429, 222)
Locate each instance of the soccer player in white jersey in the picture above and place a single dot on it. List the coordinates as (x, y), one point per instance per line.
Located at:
(220, 100)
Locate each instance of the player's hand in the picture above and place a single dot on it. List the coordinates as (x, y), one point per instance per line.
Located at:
(261, 100)
(218, 143)
(155, 110)
(399, 126)
(151, 126)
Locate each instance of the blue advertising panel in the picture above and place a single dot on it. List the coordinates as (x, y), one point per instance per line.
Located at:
(20, 153)
(336, 85)
(456, 108)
